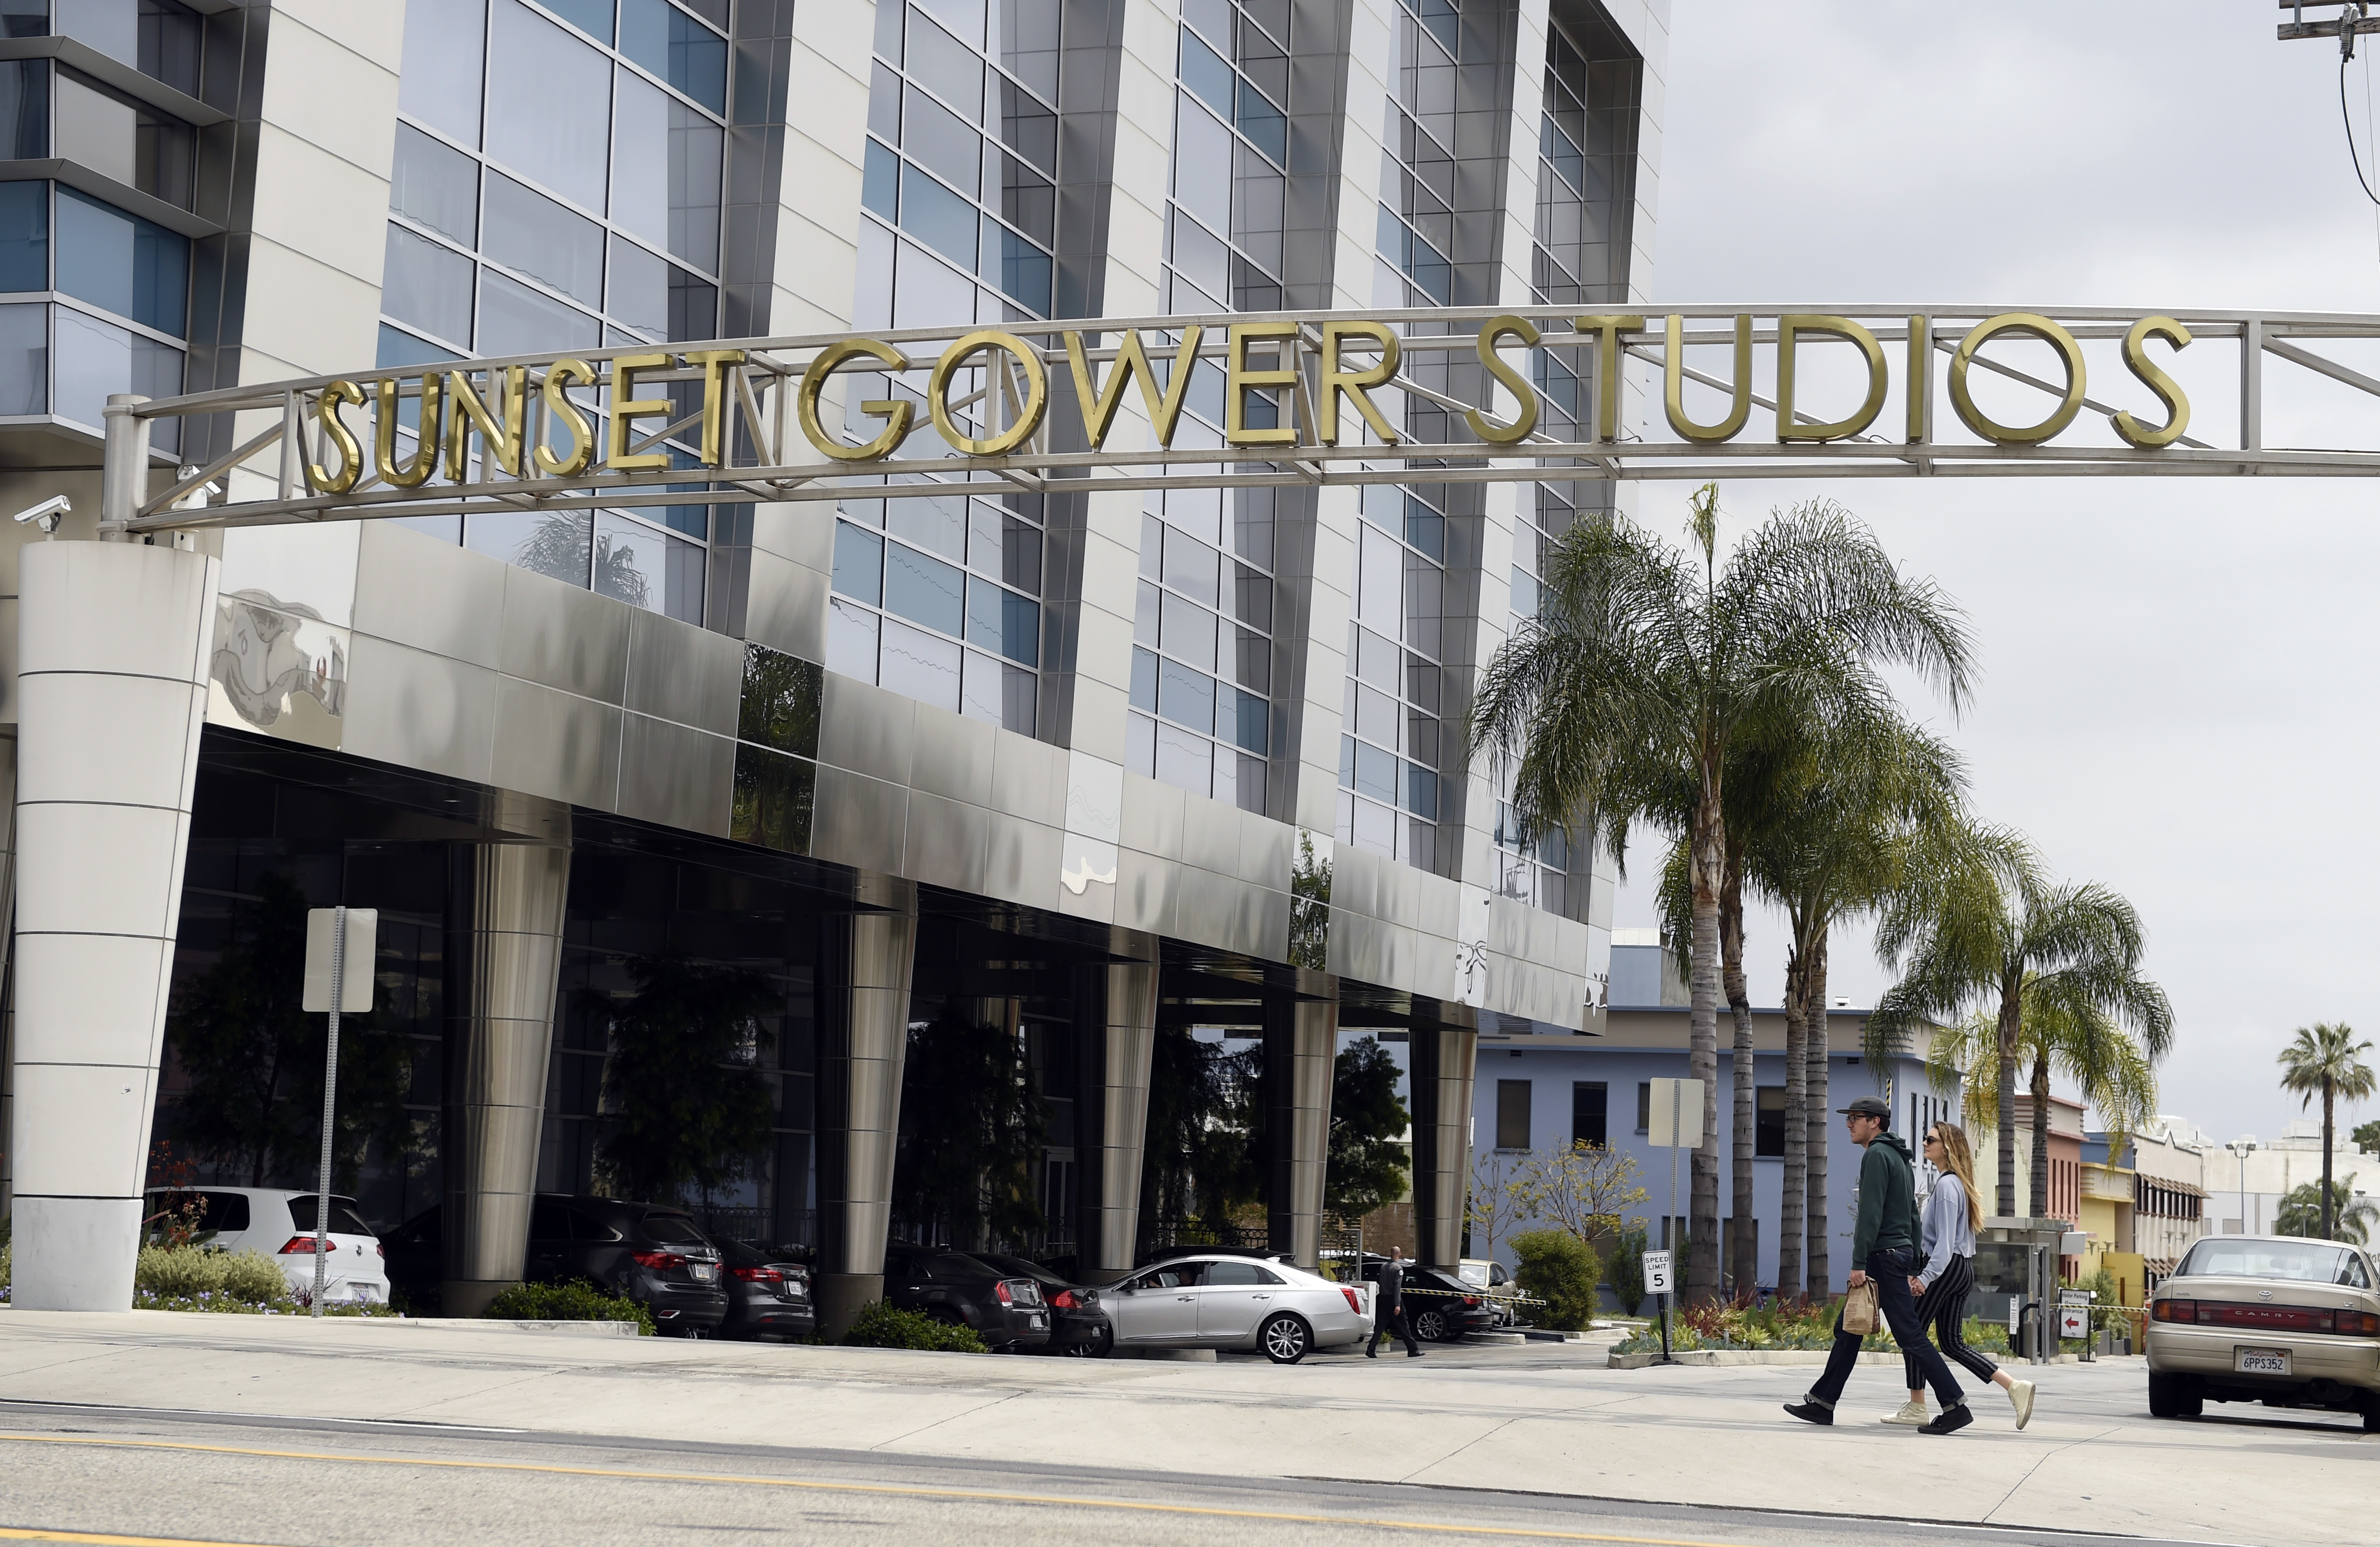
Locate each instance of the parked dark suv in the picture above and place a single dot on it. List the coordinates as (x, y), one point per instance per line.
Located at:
(1005, 1308)
(1439, 1307)
(650, 1253)
(768, 1291)
(1079, 1325)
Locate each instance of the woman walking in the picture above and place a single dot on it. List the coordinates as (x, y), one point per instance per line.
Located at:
(1954, 1210)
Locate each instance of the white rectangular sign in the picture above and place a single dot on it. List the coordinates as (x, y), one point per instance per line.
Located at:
(1674, 1115)
(1656, 1272)
(2073, 1321)
(356, 980)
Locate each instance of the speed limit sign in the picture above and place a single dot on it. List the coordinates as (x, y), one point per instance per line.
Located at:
(1656, 1272)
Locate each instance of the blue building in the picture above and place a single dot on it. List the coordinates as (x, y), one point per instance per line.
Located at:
(1539, 1087)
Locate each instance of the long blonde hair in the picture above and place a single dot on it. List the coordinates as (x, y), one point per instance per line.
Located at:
(1959, 1159)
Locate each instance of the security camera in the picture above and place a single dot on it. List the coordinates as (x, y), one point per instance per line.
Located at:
(47, 515)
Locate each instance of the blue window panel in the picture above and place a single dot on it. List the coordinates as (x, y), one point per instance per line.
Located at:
(938, 217)
(674, 46)
(1426, 529)
(1185, 696)
(880, 189)
(1144, 680)
(1024, 270)
(1264, 125)
(1376, 773)
(1002, 621)
(1254, 724)
(1524, 592)
(1346, 762)
(590, 17)
(1421, 791)
(1563, 156)
(1395, 243)
(24, 236)
(924, 590)
(1204, 71)
(858, 563)
(132, 267)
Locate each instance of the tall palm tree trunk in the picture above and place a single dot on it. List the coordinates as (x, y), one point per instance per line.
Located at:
(2011, 1021)
(1709, 863)
(1746, 1245)
(1792, 1210)
(2329, 1095)
(2040, 1136)
(1813, 994)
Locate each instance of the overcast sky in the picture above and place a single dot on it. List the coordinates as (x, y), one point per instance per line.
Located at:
(2176, 697)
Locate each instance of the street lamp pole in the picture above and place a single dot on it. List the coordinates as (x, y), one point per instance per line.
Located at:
(2240, 1147)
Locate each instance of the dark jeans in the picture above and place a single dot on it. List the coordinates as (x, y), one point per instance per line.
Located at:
(1889, 1271)
(1943, 1307)
(1390, 1319)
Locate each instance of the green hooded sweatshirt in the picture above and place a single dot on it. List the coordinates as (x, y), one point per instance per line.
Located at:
(1888, 1199)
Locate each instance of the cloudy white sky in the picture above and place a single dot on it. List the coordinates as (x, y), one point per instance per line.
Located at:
(2178, 691)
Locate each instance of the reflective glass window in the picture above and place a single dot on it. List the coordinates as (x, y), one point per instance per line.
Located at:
(24, 109)
(445, 95)
(436, 185)
(551, 119)
(951, 69)
(427, 285)
(24, 236)
(24, 19)
(590, 17)
(555, 543)
(938, 217)
(96, 358)
(531, 233)
(129, 266)
(677, 48)
(25, 358)
(666, 164)
(921, 589)
(516, 319)
(638, 565)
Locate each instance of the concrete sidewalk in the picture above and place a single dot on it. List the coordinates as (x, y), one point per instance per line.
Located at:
(1543, 1419)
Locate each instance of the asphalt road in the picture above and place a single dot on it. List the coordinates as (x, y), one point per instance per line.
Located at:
(77, 1473)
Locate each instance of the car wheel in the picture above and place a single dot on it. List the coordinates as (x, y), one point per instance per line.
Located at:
(1098, 1347)
(2174, 1396)
(1430, 1326)
(1284, 1339)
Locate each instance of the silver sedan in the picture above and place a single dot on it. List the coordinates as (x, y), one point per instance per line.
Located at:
(1236, 1302)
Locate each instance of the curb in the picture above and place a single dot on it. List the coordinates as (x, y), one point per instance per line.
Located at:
(1706, 1357)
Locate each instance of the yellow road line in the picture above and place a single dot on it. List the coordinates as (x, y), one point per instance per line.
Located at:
(813, 1485)
(34, 1533)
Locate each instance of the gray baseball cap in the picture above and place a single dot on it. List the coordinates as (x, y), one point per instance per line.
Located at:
(1867, 1106)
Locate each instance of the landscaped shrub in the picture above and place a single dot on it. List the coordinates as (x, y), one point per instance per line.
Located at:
(577, 1300)
(166, 1277)
(883, 1326)
(1627, 1271)
(1561, 1270)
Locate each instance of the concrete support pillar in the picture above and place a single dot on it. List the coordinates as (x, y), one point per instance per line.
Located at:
(1301, 1051)
(1112, 1110)
(112, 650)
(512, 899)
(864, 1042)
(7, 921)
(1442, 1061)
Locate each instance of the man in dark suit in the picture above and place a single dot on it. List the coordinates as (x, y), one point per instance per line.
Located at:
(1388, 1307)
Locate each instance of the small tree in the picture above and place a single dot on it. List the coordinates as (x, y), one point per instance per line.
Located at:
(1368, 1163)
(2367, 1137)
(685, 1101)
(2301, 1213)
(1497, 1201)
(1583, 1191)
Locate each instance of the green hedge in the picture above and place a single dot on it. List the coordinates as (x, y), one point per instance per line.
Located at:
(1561, 1270)
(883, 1326)
(577, 1300)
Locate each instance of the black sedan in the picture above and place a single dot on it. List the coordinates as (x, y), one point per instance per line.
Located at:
(649, 1252)
(1439, 1307)
(1005, 1308)
(768, 1291)
(1080, 1326)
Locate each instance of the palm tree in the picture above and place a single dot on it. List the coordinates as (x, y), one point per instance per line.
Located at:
(1647, 660)
(2305, 1207)
(2086, 1046)
(2324, 1057)
(1979, 922)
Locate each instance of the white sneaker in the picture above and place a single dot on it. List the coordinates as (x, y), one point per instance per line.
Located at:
(1913, 1415)
(2020, 1398)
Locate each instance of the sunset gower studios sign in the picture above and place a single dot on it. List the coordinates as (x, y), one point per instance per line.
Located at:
(1300, 399)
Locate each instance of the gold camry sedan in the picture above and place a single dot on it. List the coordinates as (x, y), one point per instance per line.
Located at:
(2281, 1320)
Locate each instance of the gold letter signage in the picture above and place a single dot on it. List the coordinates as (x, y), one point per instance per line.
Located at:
(2049, 332)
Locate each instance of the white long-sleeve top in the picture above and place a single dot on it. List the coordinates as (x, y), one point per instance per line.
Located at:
(1944, 1226)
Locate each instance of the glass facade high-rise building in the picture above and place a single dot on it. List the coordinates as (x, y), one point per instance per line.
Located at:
(722, 803)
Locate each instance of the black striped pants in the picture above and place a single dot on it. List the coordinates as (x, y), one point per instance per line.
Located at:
(1943, 1310)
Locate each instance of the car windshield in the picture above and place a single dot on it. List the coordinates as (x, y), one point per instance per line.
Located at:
(2297, 1261)
(1475, 1275)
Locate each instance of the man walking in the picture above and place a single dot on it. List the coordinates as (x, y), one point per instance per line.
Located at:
(1884, 1244)
(1388, 1307)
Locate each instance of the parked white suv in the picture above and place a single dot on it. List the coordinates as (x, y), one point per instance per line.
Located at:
(280, 1224)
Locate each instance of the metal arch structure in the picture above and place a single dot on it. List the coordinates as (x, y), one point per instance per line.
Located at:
(1008, 384)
